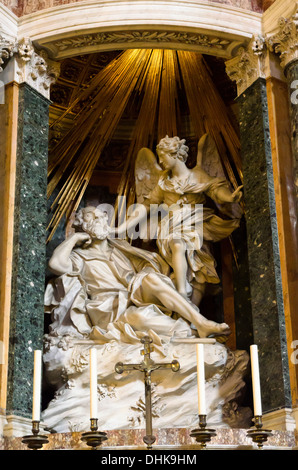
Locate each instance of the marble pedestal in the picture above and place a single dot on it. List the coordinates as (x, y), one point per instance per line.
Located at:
(166, 439)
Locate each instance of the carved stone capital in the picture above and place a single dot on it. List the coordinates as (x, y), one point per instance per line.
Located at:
(249, 64)
(36, 68)
(30, 66)
(7, 49)
(285, 42)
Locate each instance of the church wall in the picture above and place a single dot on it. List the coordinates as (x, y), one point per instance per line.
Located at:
(25, 7)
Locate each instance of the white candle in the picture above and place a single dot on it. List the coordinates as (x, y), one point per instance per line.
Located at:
(93, 383)
(255, 373)
(201, 379)
(36, 385)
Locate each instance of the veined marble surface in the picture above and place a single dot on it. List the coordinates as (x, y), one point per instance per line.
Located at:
(25, 7)
(172, 438)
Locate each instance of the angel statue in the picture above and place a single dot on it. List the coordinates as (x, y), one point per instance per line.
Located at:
(169, 182)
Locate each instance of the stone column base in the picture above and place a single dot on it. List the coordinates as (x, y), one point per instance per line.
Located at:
(17, 426)
(3, 422)
(282, 420)
(295, 416)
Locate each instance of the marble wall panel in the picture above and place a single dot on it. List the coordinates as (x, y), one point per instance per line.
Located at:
(25, 7)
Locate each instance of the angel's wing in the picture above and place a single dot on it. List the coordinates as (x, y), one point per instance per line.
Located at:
(209, 160)
(208, 157)
(147, 173)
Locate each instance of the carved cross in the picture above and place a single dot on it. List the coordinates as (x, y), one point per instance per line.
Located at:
(147, 366)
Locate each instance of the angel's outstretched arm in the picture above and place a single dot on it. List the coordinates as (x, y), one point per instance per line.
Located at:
(223, 194)
(209, 161)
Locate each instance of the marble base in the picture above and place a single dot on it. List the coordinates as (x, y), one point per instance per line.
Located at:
(171, 439)
(17, 426)
(280, 419)
(3, 422)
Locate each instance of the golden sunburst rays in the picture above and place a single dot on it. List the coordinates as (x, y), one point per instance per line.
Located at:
(144, 130)
(209, 113)
(91, 132)
(153, 77)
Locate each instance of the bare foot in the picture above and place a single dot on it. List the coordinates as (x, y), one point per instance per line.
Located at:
(212, 329)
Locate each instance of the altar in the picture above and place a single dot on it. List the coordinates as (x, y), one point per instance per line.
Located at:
(149, 213)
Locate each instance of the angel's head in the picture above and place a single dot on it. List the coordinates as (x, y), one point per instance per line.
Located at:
(171, 148)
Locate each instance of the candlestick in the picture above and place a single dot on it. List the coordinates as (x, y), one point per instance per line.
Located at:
(258, 434)
(203, 434)
(35, 440)
(36, 385)
(94, 438)
(93, 383)
(256, 380)
(201, 379)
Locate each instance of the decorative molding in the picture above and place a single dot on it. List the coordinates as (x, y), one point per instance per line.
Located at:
(105, 24)
(249, 64)
(282, 420)
(285, 42)
(18, 426)
(143, 37)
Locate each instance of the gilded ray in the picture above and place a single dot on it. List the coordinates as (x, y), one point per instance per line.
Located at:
(153, 76)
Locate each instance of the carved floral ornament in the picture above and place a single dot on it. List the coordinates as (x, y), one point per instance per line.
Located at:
(146, 37)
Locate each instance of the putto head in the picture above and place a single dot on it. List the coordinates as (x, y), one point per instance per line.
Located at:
(173, 145)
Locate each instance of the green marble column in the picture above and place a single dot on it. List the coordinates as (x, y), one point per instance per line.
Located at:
(267, 308)
(29, 260)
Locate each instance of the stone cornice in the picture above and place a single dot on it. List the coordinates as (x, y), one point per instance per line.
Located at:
(100, 24)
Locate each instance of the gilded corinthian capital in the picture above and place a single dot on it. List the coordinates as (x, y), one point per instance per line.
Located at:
(248, 64)
(285, 42)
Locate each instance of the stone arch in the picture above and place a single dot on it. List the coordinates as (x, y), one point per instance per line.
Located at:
(89, 26)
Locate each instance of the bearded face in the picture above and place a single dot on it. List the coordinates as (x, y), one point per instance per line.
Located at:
(95, 223)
